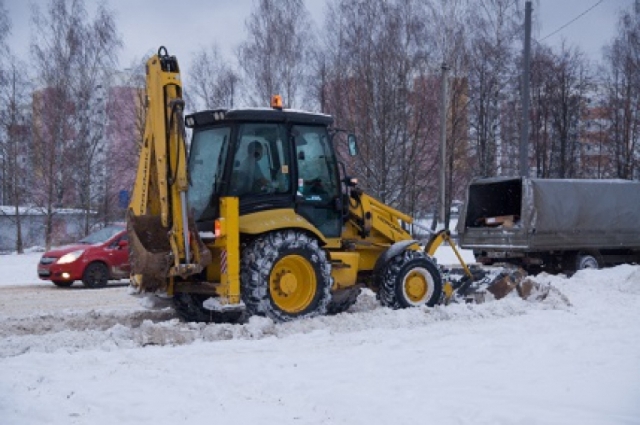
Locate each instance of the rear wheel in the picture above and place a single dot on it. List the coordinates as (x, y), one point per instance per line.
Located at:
(285, 275)
(96, 275)
(410, 279)
(63, 283)
(586, 261)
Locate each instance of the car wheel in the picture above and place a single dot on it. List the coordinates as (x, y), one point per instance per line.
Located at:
(96, 275)
(63, 283)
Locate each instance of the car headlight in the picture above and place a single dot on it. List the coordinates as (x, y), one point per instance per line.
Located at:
(70, 257)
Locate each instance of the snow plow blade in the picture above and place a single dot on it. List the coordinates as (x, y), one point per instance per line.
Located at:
(483, 285)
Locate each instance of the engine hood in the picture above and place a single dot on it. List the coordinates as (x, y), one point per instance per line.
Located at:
(60, 251)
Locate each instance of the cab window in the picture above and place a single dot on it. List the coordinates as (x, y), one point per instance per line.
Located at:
(260, 164)
(316, 164)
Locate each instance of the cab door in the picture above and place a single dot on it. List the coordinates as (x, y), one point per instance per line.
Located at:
(318, 188)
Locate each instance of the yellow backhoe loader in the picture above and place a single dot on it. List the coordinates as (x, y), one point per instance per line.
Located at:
(259, 219)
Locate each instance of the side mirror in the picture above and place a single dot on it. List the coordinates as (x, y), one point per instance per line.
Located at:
(123, 243)
(353, 144)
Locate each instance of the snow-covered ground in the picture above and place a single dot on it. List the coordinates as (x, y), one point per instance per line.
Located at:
(108, 361)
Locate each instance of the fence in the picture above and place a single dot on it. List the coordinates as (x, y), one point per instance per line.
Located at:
(68, 225)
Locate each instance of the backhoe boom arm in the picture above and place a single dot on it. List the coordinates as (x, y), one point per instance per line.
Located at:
(163, 244)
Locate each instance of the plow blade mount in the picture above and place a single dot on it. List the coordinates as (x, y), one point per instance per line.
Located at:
(497, 283)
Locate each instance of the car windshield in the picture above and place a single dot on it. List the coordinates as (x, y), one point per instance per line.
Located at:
(102, 235)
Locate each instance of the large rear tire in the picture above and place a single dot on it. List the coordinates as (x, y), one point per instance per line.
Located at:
(410, 279)
(285, 275)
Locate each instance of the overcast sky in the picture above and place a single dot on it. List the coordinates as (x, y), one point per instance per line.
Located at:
(187, 25)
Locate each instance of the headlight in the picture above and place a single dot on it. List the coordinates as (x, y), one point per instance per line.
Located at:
(70, 257)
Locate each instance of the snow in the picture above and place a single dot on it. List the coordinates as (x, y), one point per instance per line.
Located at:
(11, 210)
(103, 359)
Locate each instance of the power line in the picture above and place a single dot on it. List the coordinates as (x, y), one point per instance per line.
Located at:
(571, 21)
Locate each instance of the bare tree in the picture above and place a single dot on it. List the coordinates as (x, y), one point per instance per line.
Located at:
(542, 68)
(450, 43)
(560, 83)
(376, 82)
(125, 119)
(15, 123)
(623, 94)
(569, 84)
(71, 56)
(496, 26)
(213, 82)
(5, 29)
(274, 59)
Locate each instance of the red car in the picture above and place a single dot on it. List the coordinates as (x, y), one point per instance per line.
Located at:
(96, 259)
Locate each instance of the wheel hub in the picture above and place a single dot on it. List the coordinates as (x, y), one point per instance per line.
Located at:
(292, 284)
(416, 286)
(288, 283)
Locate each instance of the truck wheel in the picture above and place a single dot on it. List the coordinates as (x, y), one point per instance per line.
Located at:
(63, 283)
(96, 275)
(285, 275)
(586, 261)
(410, 279)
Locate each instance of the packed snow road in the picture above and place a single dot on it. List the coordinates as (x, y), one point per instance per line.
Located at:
(17, 300)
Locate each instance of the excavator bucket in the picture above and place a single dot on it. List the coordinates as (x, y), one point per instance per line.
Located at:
(150, 252)
(151, 255)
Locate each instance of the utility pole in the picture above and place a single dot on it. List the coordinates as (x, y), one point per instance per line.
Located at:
(443, 143)
(526, 71)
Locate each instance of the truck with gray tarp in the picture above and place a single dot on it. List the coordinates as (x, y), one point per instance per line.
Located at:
(551, 224)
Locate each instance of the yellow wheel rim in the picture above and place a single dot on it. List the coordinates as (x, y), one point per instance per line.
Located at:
(292, 284)
(418, 286)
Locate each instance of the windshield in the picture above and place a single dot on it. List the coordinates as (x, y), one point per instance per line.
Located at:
(206, 164)
(102, 235)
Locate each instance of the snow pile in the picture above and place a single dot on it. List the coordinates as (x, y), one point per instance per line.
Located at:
(508, 361)
(109, 330)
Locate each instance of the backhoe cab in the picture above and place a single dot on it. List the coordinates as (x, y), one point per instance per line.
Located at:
(289, 236)
(264, 224)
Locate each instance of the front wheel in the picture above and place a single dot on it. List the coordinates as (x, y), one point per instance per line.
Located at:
(410, 279)
(285, 275)
(96, 275)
